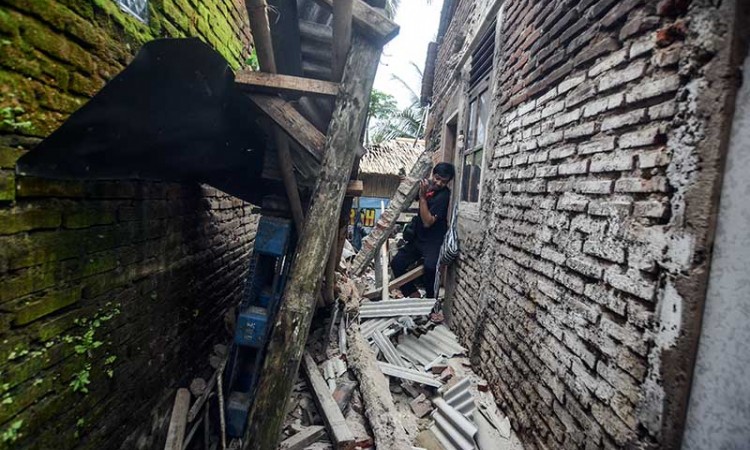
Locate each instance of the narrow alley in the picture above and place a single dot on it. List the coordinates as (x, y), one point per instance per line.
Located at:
(353, 224)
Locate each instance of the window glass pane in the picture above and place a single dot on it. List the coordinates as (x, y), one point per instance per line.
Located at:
(483, 112)
(476, 177)
(466, 177)
(471, 129)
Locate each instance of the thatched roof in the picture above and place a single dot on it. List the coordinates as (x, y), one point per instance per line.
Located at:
(394, 157)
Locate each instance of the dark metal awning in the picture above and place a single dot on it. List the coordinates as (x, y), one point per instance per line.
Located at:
(173, 114)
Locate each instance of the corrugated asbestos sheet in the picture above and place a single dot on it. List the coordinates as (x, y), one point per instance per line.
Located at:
(452, 429)
(396, 308)
(370, 326)
(430, 347)
(459, 397)
(389, 351)
(408, 374)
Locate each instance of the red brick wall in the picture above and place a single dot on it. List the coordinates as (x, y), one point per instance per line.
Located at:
(581, 280)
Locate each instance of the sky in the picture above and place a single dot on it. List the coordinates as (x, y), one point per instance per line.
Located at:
(419, 21)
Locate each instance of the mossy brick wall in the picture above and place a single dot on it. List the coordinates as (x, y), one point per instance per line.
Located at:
(111, 293)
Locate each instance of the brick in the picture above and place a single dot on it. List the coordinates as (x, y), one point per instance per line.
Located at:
(602, 296)
(580, 94)
(600, 187)
(641, 138)
(642, 46)
(549, 138)
(623, 120)
(619, 12)
(15, 220)
(614, 79)
(573, 168)
(583, 130)
(562, 152)
(569, 117)
(606, 45)
(553, 108)
(610, 208)
(538, 156)
(33, 309)
(569, 83)
(603, 104)
(7, 186)
(572, 202)
(9, 156)
(667, 57)
(546, 171)
(637, 24)
(631, 282)
(654, 158)
(569, 280)
(608, 250)
(638, 185)
(585, 266)
(553, 255)
(612, 425)
(662, 111)
(617, 162)
(650, 208)
(587, 225)
(604, 144)
(652, 88)
(609, 62)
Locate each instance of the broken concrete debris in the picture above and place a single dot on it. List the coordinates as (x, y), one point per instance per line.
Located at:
(401, 384)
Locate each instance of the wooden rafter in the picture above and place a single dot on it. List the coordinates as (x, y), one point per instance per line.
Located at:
(292, 324)
(262, 82)
(370, 22)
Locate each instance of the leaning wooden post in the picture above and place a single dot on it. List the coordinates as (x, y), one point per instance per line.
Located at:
(401, 200)
(287, 340)
(257, 11)
(342, 36)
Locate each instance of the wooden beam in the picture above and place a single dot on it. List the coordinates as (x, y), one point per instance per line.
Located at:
(258, 13)
(354, 189)
(401, 200)
(397, 282)
(339, 432)
(342, 36)
(372, 23)
(292, 122)
(178, 421)
(270, 83)
(380, 409)
(292, 325)
(304, 438)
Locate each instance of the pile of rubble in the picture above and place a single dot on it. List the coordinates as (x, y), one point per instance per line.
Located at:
(435, 400)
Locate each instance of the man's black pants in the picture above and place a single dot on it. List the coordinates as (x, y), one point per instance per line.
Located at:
(408, 255)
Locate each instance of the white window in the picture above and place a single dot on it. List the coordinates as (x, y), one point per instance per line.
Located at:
(478, 110)
(137, 8)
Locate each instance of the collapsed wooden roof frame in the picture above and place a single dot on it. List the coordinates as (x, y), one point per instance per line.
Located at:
(356, 55)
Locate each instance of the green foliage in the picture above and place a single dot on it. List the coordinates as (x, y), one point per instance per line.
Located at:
(382, 105)
(10, 114)
(393, 123)
(11, 433)
(252, 60)
(81, 380)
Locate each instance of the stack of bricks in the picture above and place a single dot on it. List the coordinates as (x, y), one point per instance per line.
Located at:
(112, 294)
(565, 289)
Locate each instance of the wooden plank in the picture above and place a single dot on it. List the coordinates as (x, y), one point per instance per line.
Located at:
(401, 200)
(271, 83)
(370, 22)
(178, 421)
(292, 325)
(293, 123)
(339, 432)
(398, 282)
(304, 438)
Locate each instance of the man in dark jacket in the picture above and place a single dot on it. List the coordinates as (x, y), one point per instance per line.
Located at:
(430, 227)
